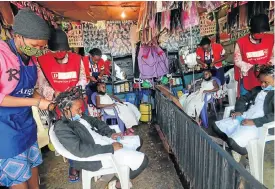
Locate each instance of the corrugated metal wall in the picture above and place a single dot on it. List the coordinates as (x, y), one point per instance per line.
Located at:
(204, 163)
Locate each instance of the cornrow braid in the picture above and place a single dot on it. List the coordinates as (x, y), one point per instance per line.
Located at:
(65, 100)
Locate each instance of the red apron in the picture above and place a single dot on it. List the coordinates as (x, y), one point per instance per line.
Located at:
(254, 54)
(61, 76)
(217, 51)
(86, 64)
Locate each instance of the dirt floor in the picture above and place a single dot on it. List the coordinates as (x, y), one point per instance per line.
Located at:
(160, 173)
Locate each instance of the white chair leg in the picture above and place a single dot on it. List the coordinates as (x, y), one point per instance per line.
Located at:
(124, 179)
(261, 147)
(252, 149)
(86, 179)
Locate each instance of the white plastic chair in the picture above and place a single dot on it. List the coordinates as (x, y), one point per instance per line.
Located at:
(122, 171)
(231, 87)
(255, 148)
(42, 132)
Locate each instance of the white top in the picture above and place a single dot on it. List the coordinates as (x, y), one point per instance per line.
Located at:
(256, 110)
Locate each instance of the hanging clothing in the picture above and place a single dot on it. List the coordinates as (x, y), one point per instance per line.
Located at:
(252, 54)
(61, 76)
(194, 103)
(233, 128)
(152, 62)
(189, 16)
(18, 128)
(127, 112)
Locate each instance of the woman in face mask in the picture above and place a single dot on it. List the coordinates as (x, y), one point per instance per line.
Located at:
(251, 111)
(19, 151)
(251, 52)
(58, 71)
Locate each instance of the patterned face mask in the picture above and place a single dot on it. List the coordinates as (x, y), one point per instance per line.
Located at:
(31, 51)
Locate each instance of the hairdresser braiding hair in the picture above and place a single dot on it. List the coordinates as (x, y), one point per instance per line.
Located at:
(64, 101)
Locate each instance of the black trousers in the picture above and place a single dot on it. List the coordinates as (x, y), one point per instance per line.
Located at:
(230, 142)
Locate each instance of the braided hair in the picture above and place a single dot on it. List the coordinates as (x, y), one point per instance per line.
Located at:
(267, 70)
(65, 101)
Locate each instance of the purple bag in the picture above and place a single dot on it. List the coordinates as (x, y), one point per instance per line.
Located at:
(152, 62)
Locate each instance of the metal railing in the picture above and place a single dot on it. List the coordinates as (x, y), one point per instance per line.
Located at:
(203, 163)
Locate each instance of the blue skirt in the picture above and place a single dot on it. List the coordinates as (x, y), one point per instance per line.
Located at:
(18, 169)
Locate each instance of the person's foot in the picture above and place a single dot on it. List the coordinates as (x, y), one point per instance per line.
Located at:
(73, 175)
(127, 133)
(115, 184)
(131, 130)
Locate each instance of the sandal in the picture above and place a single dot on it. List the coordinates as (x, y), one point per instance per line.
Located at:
(112, 185)
(73, 178)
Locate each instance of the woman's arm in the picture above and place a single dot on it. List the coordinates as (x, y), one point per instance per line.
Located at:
(244, 66)
(82, 76)
(11, 101)
(201, 62)
(98, 105)
(116, 98)
(43, 86)
(223, 57)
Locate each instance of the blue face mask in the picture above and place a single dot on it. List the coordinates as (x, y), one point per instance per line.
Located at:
(268, 88)
(76, 117)
(239, 118)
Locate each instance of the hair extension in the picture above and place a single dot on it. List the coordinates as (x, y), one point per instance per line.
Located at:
(65, 100)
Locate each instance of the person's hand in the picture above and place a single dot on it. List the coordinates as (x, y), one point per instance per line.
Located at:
(212, 64)
(117, 146)
(248, 122)
(204, 91)
(115, 135)
(235, 114)
(93, 79)
(205, 65)
(43, 104)
(113, 105)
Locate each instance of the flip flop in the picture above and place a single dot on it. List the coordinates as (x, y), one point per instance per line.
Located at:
(73, 175)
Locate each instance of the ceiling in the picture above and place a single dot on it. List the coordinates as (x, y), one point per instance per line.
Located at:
(94, 10)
